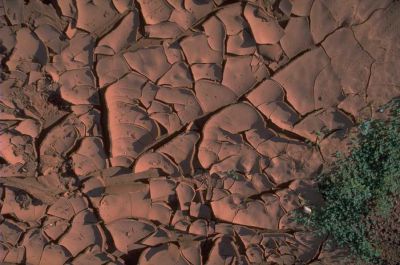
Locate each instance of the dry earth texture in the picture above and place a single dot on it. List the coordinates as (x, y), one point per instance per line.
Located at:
(180, 131)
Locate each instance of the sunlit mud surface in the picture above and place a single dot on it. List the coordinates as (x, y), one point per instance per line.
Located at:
(180, 131)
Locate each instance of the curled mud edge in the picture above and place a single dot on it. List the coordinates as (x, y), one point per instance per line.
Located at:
(180, 132)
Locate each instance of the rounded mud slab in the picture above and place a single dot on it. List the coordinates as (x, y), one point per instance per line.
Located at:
(180, 132)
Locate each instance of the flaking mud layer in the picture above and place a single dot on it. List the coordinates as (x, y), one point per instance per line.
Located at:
(180, 132)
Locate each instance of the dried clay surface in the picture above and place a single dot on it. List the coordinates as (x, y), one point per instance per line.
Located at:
(180, 131)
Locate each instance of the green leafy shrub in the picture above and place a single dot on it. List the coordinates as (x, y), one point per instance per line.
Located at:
(360, 184)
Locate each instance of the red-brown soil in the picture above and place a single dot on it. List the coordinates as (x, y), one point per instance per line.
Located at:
(122, 121)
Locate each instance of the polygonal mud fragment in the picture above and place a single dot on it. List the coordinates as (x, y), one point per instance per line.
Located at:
(215, 32)
(298, 79)
(199, 9)
(297, 161)
(42, 14)
(204, 54)
(252, 213)
(54, 254)
(29, 212)
(78, 87)
(257, 214)
(113, 207)
(10, 232)
(211, 72)
(182, 150)
(242, 72)
(384, 82)
(255, 254)
(321, 21)
(62, 209)
(286, 7)
(67, 7)
(225, 208)
(378, 43)
(28, 50)
(14, 11)
(167, 30)
(126, 232)
(158, 161)
(177, 76)
(15, 255)
(122, 5)
(94, 255)
(94, 15)
(223, 251)
(301, 7)
(160, 236)
(167, 254)
(261, 182)
(160, 212)
(231, 17)
(241, 43)
(317, 125)
(240, 186)
(265, 29)
(199, 227)
(89, 157)
(165, 117)
(182, 17)
(281, 259)
(77, 55)
(150, 62)
(268, 97)
(354, 12)
(185, 193)
(18, 151)
(56, 144)
(297, 37)
(212, 95)
(127, 89)
(247, 235)
(375, 41)
(161, 189)
(121, 36)
(192, 252)
(3, 251)
(8, 39)
(328, 91)
(308, 246)
(223, 148)
(183, 100)
(34, 243)
(111, 69)
(155, 11)
(199, 210)
(92, 122)
(84, 232)
(54, 227)
(343, 49)
(51, 38)
(29, 127)
(129, 134)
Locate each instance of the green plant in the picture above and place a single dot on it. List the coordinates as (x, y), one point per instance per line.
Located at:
(360, 184)
(233, 174)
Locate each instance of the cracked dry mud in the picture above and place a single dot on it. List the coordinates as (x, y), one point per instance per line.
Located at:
(121, 122)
